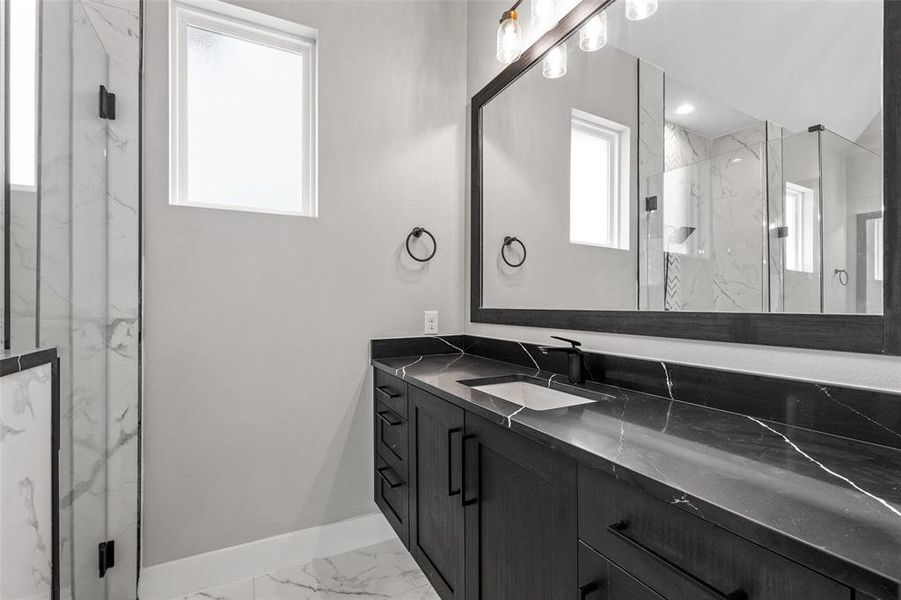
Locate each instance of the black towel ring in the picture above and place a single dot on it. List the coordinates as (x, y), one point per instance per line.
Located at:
(508, 240)
(842, 276)
(417, 233)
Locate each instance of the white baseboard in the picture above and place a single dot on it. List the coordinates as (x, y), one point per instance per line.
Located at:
(203, 571)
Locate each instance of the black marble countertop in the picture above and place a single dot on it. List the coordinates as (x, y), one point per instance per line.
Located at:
(15, 360)
(830, 503)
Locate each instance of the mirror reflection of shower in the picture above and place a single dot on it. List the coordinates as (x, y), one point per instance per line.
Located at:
(757, 218)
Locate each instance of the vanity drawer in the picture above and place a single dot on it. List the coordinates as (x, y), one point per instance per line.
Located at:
(392, 497)
(391, 437)
(392, 391)
(682, 556)
(600, 579)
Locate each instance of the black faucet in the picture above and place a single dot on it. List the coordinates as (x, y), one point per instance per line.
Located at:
(575, 358)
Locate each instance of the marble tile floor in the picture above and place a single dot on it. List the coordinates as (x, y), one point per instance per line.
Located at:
(385, 570)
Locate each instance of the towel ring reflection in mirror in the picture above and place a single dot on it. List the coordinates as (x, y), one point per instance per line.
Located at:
(417, 233)
(508, 241)
(842, 276)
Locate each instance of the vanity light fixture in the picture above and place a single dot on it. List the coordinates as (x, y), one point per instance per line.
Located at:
(593, 35)
(554, 64)
(685, 109)
(544, 16)
(637, 10)
(509, 36)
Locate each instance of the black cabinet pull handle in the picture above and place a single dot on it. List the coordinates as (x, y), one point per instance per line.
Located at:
(388, 418)
(618, 531)
(452, 489)
(588, 588)
(389, 477)
(470, 461)
(388, 392)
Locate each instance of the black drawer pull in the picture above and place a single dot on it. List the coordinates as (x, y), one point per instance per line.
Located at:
(618, 529)
(389, 477)
(389, 393)
(389, 418)
(588, 588)
(454, 477)
(470, 476)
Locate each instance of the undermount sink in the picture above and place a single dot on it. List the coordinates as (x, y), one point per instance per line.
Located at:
(531, 394)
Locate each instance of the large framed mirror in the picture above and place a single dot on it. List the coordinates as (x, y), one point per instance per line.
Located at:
(723, 171)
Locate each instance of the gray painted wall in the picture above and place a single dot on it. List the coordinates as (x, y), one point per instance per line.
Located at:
(257, 406)
(527, 161)
(840, 368)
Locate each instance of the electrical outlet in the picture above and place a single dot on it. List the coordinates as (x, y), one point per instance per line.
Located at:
(431, 322)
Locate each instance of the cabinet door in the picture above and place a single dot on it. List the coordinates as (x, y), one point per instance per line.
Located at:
(521, 529)
(436, 510)
(600, 579)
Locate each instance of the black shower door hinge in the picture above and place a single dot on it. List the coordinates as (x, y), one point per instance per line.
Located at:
(106, 554)
(107, 104)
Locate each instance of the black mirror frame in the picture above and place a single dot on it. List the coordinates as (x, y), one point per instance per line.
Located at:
(871, 334)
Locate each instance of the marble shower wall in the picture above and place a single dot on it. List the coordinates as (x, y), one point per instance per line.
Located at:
(26, 499)
(707, 243)
(89, 281)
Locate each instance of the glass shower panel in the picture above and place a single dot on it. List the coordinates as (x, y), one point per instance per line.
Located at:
(794, 232)
(73, 281)
(852, 219)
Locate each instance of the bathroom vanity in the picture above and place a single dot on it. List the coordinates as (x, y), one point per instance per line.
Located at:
(655, 183)
(624, 494)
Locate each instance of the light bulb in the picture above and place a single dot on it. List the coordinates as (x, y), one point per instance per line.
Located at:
(685, 109)
(544, 16)
(636, 10)
(554, 64)
(509, 38)
(593, 35)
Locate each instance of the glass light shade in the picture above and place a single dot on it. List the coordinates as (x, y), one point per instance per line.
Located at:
(636, 10)
(509, 39)
(544, 16)
(554, 64)
(593, 35)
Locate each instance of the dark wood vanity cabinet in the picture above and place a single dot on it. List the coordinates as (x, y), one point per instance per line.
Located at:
(600, 579)
(489, 514)
(492, 515)
(391, 464)
(520, 515)
(436, 491)
(683, 557)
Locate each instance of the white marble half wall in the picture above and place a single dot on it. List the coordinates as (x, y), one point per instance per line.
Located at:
(26, 485)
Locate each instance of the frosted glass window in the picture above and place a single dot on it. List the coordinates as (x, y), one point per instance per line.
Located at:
(599, 182)
(22, 86)
(800, 219)
(245, 114)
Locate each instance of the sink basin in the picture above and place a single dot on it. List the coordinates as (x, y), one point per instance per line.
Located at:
(533, 396)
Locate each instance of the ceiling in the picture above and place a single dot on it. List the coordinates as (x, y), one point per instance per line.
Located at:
(794, 62)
